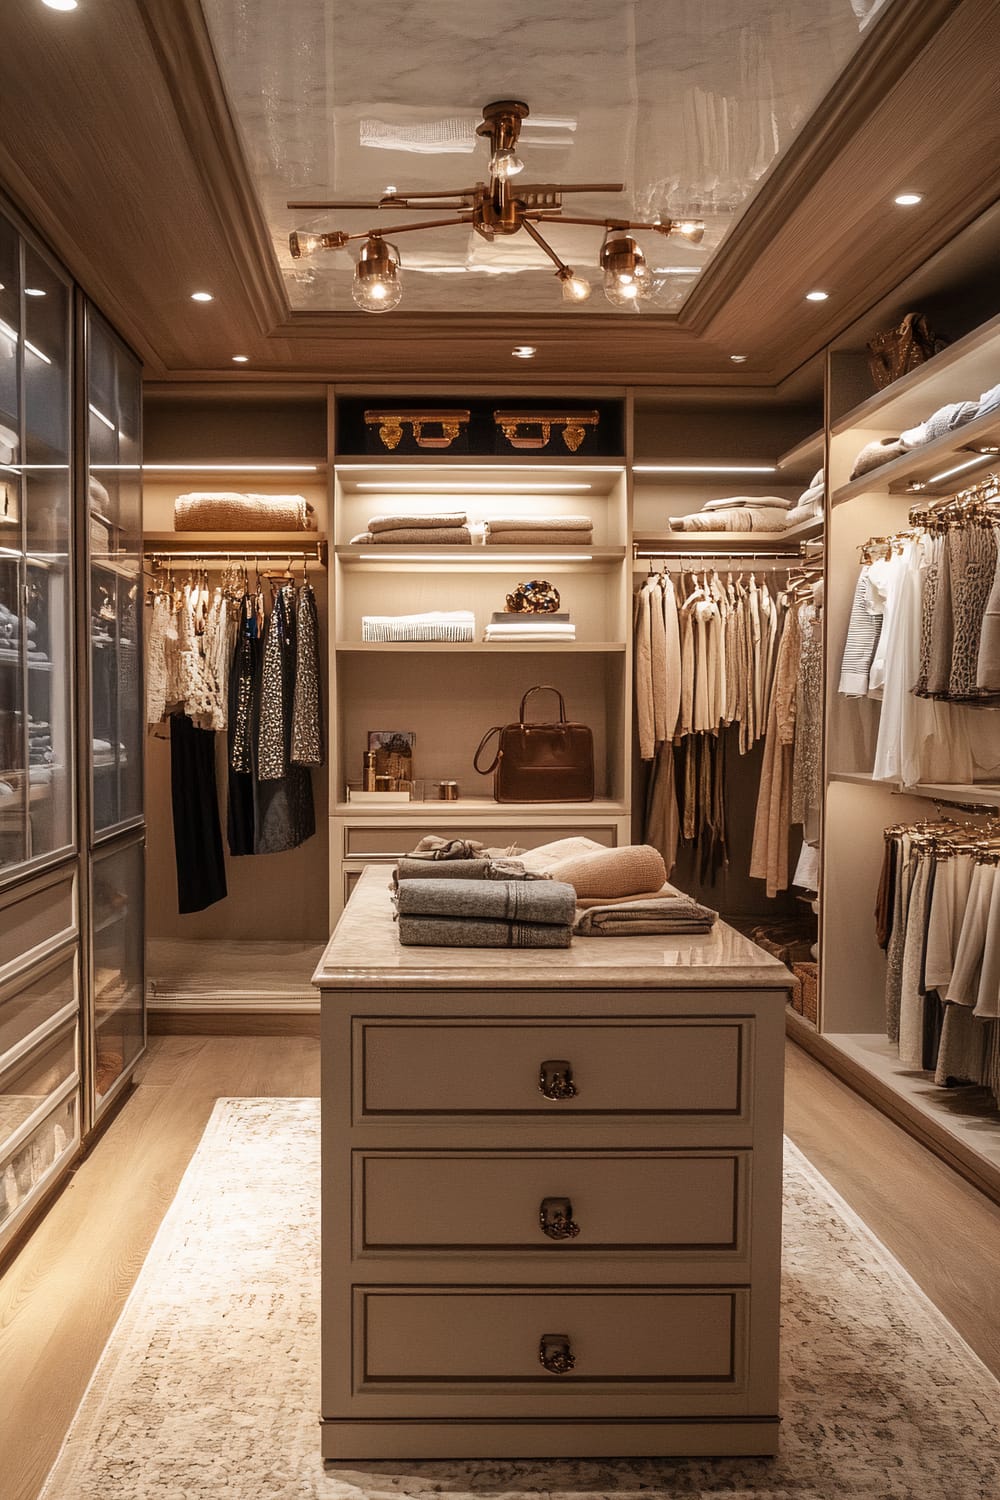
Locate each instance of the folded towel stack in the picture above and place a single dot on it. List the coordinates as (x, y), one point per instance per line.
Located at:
(529, 627)
(485, 913)
(229, 510)
(736, 513)
(446, 529)
(481, 867)
(435, 625)
(547, 531)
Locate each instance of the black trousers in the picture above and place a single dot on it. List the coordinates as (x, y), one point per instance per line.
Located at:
(201, 868)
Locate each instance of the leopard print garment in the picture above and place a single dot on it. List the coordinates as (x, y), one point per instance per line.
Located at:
(973, 565)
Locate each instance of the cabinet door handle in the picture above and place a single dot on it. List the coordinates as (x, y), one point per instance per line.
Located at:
(555, 1354)
(555, 1079)
(555, 1215)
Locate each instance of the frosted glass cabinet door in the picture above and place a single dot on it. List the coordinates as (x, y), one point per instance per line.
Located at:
(36, 602)
(114, 521)
(119, 1005)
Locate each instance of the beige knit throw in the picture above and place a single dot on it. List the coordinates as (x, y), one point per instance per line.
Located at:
(228, 510)
(632, 870)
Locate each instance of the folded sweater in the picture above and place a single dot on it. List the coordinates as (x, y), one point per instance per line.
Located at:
(662, 915)
(538, 538)
(539, 523)
(548, 902)
(739, 502)
(463, 869)
(410, 536)
(480, 932)
(874, 455)
(608, 873)
(740, 518)
(436, 625)
(448, 518)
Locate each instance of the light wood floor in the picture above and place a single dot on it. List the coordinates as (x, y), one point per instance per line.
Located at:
(60, 1298)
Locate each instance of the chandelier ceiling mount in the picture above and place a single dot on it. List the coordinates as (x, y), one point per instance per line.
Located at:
(497, 207)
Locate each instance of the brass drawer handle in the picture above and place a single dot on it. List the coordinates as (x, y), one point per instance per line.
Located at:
(555, 1215)
(555, 1079)
(555, 1354)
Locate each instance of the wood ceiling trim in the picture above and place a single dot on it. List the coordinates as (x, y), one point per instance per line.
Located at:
(896, 41)
(179, 36)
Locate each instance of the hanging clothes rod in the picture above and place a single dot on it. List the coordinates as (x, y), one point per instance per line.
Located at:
(313, 552)
(691, 554)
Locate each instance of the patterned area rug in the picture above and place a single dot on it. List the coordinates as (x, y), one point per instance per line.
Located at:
(209, 1384)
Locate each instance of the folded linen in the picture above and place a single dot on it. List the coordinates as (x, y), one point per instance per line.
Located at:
(435, 625)
(479, 868)
(470, 932)
(551, 538)
(432, 847)
(741, 518)
(740, 502)
(662, 915)
(808, 496)
(625, 871)
(529, 633)
(228, 510)
(414, 536)
(988, 401)
(585, 901)
(807, 512)
(873, 455)
(539, 523)
(448, 518)
(946, 419)
(549, 902)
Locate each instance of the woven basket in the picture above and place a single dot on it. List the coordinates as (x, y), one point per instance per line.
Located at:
(807, 975)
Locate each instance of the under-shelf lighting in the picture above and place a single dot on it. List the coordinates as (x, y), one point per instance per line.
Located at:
(100, 416)
(480, 488)
(461, 554)
(194, 467)
(957, 468)
(704, 468)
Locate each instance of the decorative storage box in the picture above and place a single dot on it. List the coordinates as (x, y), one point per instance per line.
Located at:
(535, 431)
(417, 431)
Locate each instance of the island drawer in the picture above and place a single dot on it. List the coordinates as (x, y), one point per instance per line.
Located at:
(692, 1338)
(433, 1068)
(557, 1203)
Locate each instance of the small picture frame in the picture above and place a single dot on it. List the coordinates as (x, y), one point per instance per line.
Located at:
(393, 752)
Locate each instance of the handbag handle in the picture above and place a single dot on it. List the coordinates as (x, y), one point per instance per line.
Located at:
(485, 770)
(543, 687)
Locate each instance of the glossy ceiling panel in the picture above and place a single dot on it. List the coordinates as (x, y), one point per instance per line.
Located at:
(690, 104)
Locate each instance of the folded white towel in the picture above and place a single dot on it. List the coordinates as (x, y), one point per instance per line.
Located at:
(539, 523)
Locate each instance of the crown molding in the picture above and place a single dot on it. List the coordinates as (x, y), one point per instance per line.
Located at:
(179, 37)
(895, 43)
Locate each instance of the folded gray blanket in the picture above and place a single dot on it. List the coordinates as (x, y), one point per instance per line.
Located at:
(665, 915)
(549, 902)
(538, 538)
(463, 869)
(470, 932)
(416, 536)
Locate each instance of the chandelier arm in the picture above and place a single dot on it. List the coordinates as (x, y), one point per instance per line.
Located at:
(539, 240)
(464, 199)
(540, 216)
(393, 229)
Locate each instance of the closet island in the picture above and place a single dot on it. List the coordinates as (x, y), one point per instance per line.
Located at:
(551, 1194)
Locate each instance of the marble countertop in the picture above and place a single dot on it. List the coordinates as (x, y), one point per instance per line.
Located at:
(365, 952)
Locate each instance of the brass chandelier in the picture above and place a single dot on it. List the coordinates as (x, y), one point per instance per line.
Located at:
(496, 208)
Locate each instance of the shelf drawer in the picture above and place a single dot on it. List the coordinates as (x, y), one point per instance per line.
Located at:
(440, 1336)
(394, 840)
(37, 918)
(26, 1168)
(27, 1086)
(433, 1068)
(668, 1202)
(28, 1004)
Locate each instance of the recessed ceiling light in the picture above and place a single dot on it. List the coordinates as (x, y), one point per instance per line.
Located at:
(201, 297)
(907, 200)
(60, 4)
(738, 359)
(240, 359)
(391, 191)
(33, 291)
(524, 351)
(817, 296)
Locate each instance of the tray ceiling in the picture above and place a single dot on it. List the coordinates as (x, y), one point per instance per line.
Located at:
(689, 104)
(153, 143)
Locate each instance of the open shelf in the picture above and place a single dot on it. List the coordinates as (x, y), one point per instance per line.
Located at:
(805, 457)
(987, 794)
(697, 542)
(922, 465)
(489, 648)
(484, 808)
(478, 556)
(359, 469)
(228, 473)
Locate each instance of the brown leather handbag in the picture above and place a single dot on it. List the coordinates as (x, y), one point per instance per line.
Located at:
(896, 351)
(540, 762)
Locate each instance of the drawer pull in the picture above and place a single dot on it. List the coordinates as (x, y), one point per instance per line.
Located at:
(555, 1079)
(555, 1215)
(555, 1354)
